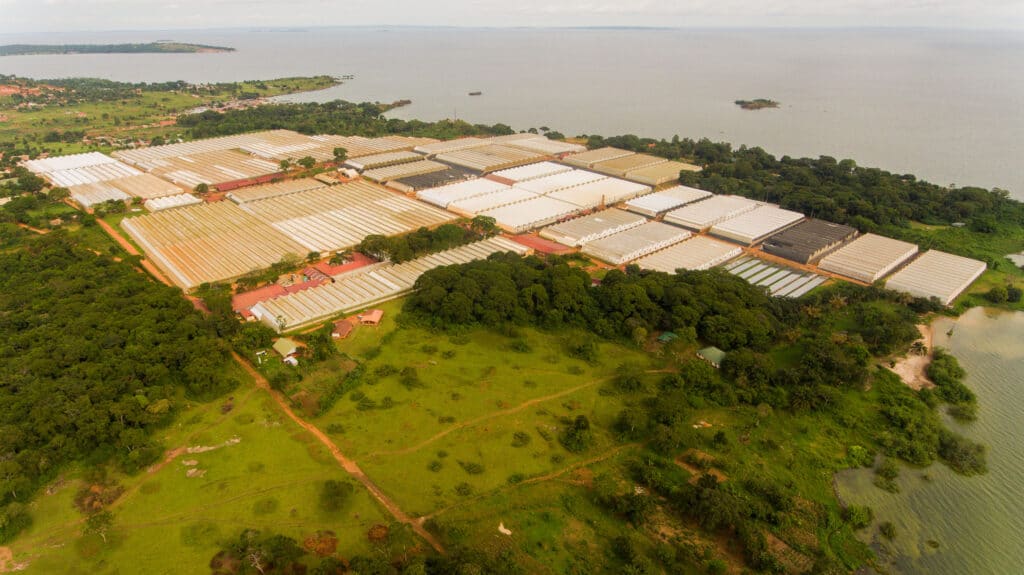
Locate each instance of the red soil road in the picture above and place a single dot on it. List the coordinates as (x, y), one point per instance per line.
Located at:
(128, 247)
(351, 467)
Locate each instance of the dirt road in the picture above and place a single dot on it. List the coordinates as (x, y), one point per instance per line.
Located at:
(128, 247)
(347, 464)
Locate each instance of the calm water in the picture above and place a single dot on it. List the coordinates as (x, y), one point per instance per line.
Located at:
(943, 105)
(977, 521)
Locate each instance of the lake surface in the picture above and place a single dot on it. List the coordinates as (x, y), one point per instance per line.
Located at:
(944, 105)
(978, 522)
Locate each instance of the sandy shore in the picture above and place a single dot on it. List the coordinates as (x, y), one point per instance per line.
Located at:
(912, 369)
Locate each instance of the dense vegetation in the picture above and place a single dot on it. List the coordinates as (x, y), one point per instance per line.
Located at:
(146, 48)
(95, 355)
(425, 241)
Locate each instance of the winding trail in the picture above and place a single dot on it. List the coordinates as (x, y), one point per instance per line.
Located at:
(491, 415)
(351, 467)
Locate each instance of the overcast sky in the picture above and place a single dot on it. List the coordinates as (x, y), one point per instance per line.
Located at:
(28, 16)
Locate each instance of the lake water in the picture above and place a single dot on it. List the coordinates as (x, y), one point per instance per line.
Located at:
(978, 522)
(944, 105)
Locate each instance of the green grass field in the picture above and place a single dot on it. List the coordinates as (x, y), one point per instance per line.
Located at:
(167, 522)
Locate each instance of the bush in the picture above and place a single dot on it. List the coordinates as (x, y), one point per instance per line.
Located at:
(435, 466)
(578, 437)
(472, 467)
(963, 455)
(520, 439)
(1013, 294)
(888, 530)
(858, 516)
(464, 489)
(335, 494)
(998, 294)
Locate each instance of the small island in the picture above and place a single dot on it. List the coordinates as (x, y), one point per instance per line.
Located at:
(147, 48)
(758, 104)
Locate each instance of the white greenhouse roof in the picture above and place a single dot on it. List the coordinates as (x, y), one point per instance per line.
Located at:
(545, 146)
(635, 242)
(607, 192)
(755, 225)
(450, 146)
(265, 191)
(560, 181)
(937, 274)
(704, 214)
(444, 195)
(579, 231)
(380, 160)
(168, 202)
(404, 170)
(89, 195)
(533, 213)
(589, 158)
(71, 162)
(532, 171)
(470, 207)
(698, 253)
(868, 258)
(665, 200)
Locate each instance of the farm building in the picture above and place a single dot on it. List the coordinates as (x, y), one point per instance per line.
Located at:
(532, 213)
(619, 167)
(579, 231)
(337, 217)
(447, 146)
(145, 186)
(532, 171)
(600, 193)
(449, 175)
(635, 243)
(486, 159)
(712, 355)
(209, 242)
(371, 317)
(542, 145)
(444, 195)
(589, 158)
(937, 274)
(342, 329)
(384, 160)
(808, 240)
(399, 171)
(697, 253)
(212, 168)
(286, 347)
(868, 258)
(659, 174)
(779, 280)
(168, 202)
(756, 225)
(704, 214)
(273, 190)
(657, 203)
(89, 195)
(559, 181)
(470, 207)
(371, 285)
(357, 146)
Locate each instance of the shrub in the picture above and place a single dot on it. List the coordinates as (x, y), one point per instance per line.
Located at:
(997, 294)
(435, 466)
(520, 439)
(858, 516)
(335, 494)
(888, 530)
(472, 467)
(464, 489)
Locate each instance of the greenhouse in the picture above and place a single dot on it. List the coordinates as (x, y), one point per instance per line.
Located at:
(702, 215)
(444, 195)
(635, 243)
(868, 258)
(753, 226)
(808, 241)
(937, 274)
(532, 213)
(697, 253)
(579, 231)
(658, 203)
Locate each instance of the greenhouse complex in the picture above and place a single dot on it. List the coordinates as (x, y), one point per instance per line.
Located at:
(224, 208)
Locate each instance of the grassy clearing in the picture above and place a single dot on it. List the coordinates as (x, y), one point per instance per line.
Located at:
(167, 522)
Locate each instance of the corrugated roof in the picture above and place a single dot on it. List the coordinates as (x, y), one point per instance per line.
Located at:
(404, 170)
(697, 253)
(665, 200)
(635, 243)
(532, 171)
(579, 231)
(620, 166)
(706, 213)
(868, 258)
(532, 213)
(756, 224)
(937, 274)
(444, 195)
(659, 174)
(589, 158)
(808, 240)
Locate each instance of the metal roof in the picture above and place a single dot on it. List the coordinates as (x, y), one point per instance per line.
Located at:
(579, 231)
(937, 274)
(868, 258)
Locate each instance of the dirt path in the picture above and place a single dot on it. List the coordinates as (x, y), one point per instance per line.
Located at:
(347, 464)
(491, 415)
(42, 233)
(913, 369)
(128, 247)
(539, 479)
(6, 558)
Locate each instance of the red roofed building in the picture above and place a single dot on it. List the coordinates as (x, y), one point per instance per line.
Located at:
(342, 328)
(371, 317)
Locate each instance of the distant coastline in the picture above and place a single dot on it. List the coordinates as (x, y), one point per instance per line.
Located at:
(147, 48)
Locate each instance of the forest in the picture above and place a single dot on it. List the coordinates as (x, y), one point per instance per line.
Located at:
(96, 356)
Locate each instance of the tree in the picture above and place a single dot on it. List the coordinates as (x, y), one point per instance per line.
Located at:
(307, 162)
(335, 494)
(1013, 293)
(997, 294)
(285, 165)
(340, 155)
(99, 524)
(312, 256)
(578, 436)
(201, 188)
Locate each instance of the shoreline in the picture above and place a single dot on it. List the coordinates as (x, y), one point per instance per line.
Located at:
(912, 369)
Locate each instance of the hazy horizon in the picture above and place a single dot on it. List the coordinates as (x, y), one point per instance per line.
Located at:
(34, 16)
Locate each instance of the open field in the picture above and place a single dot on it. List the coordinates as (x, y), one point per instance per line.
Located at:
(169, 523)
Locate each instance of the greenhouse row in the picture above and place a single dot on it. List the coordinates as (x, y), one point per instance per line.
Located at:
(486, 159)
(470, 207)
(702, 215)
(368, 286)
(374, 161)
(444, 195)
(267, 191)
(209, 242)
(937, 274)
(169, 202)
(396, 172)
(868, 258)
(531, 171)
(533, 213)
(579, 231)
(600, 193)
(559, 181)
(591, 157)
(653, 205)
(808, 241)
(339, 217)
(211, 168)
(697, 253)
(635, 243)
(751, 227)
(89, 195)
